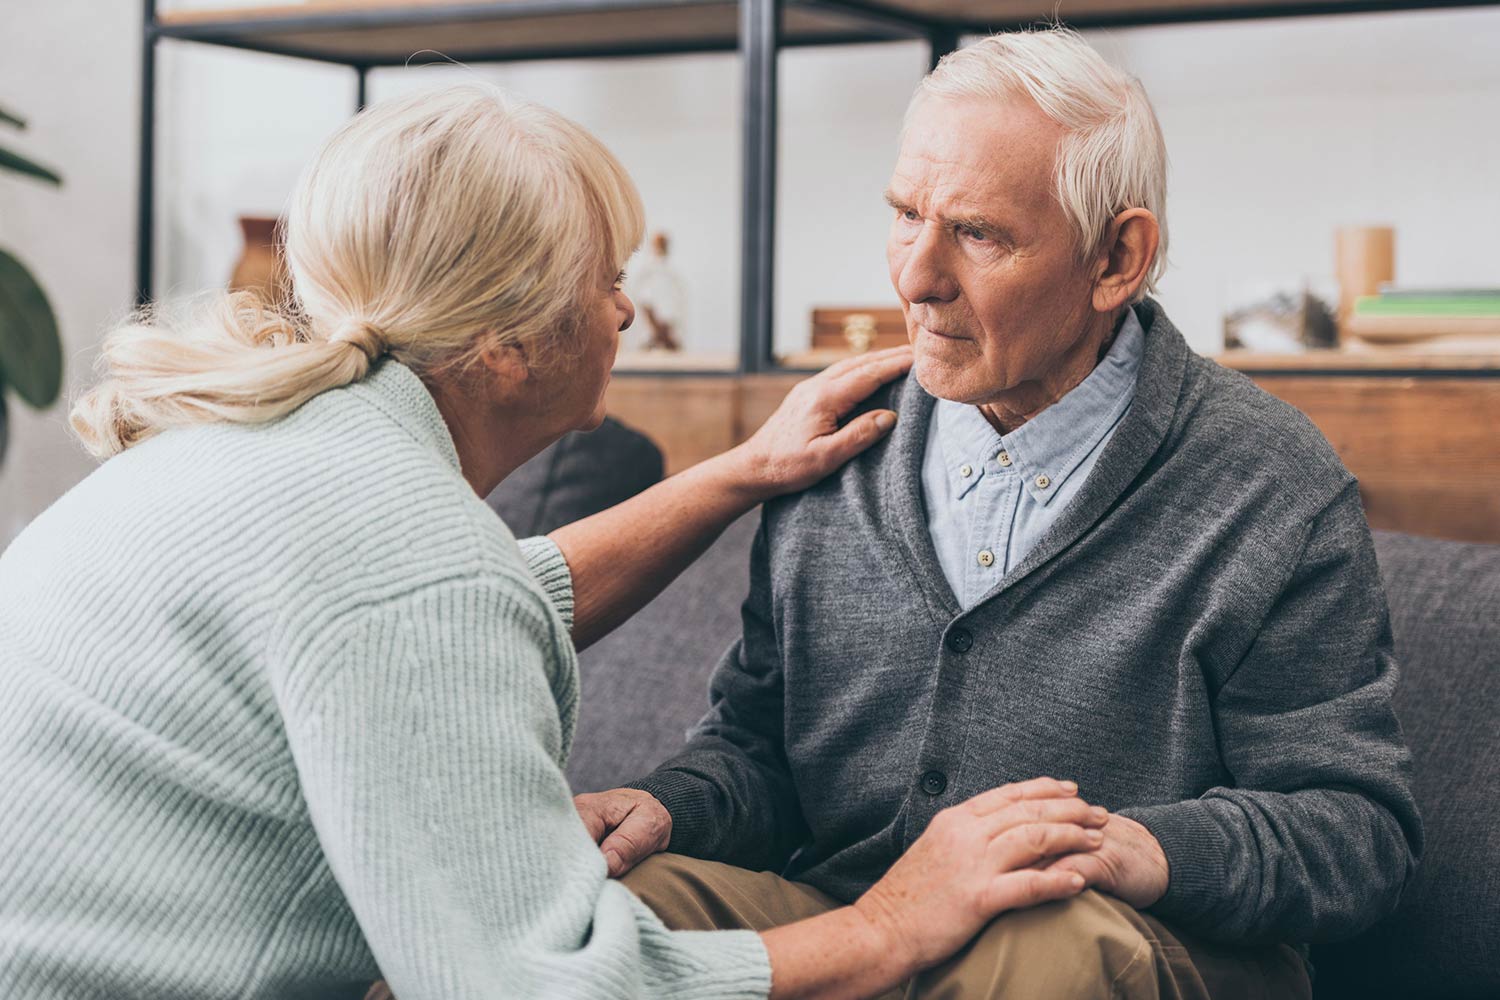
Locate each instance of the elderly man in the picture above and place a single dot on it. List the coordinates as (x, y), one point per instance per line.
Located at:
(1085, 552)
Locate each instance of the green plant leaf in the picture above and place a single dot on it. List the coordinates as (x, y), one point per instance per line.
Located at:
(10, 119)
(19, 163)
(30, 350)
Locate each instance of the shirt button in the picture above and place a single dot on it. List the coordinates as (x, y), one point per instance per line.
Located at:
(1003, 458)
(960, 640)
(1042, 482)
(986, 558)
(966, 471)
(934, 782)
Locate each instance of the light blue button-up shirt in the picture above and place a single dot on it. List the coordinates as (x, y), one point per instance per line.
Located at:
(991, 497)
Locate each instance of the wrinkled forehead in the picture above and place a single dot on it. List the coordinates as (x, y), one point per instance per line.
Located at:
(980, 152)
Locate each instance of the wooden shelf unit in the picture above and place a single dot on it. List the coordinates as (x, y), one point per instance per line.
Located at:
(1418, 429)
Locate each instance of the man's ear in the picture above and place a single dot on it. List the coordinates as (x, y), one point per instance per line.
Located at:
(1129, 248)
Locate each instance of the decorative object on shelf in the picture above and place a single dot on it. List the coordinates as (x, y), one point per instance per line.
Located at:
(661, 298)
(1281, 322)
(261, 268)
(31, 359)
(1441, 321)
(1365, 259)
(839, 333)
(858, 329)
(859, 332)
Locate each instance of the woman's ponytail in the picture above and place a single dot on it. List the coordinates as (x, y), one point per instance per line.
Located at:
(238, 361)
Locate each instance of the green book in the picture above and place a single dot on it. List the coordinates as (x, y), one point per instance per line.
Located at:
(1465, 304)
(1390, 292)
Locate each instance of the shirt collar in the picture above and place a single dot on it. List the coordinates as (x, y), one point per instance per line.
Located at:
(1047, 449)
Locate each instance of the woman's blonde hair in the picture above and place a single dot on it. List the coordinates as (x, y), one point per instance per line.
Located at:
(431, 228)
(1113, 156)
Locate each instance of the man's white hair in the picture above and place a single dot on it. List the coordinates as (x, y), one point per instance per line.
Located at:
(1112, 157)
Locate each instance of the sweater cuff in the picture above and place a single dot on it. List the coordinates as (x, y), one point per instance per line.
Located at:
(735, 966)
(686, 798)
(546, 562)
(1197, 870)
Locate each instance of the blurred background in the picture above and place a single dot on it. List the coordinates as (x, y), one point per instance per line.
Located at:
(1323, 154)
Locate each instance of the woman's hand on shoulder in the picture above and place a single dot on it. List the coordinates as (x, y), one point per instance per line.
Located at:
(804, 441)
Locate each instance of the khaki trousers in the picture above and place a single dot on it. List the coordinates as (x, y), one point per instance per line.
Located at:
(1090, 946)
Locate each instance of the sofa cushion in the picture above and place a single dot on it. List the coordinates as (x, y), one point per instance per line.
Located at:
(1444, 940)
(645, 685)
(578, 475)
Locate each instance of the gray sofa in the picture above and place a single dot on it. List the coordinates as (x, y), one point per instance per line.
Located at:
(646, 684)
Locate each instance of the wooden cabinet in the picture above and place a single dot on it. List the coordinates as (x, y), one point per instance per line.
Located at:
(693, 418)
(1421, 432)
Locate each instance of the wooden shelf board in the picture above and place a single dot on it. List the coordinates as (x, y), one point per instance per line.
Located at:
(1322, 362)
(997, 14)
(386, 32)
(1369, 362)
(674, 361)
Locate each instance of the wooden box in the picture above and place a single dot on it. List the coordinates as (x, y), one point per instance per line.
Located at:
(858, 329)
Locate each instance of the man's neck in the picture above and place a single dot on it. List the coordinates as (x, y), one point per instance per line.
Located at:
(1024, 402)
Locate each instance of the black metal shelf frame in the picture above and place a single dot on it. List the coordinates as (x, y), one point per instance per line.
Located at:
(760, 39)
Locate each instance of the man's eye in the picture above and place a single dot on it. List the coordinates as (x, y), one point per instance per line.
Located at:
(910, 215)
(972, 234)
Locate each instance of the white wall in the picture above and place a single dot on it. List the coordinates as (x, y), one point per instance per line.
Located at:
(70, 69)
(1278, 131)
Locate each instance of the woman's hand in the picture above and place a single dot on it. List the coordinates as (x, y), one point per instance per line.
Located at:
(622, 557)
(803, 442)
(975, 860)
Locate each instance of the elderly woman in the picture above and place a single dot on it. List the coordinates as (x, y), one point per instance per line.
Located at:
(284, 707)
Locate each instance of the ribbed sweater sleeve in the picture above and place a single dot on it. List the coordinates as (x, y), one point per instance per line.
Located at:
(427, 737)
(546, 562)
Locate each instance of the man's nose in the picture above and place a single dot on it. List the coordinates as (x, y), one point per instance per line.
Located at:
(925, 274)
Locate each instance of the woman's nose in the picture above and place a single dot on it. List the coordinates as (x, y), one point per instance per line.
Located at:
(627, 309)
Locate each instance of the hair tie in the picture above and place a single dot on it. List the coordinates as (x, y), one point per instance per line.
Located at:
(361, 334)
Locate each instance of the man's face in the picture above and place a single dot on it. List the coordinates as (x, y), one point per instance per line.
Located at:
(981, 252)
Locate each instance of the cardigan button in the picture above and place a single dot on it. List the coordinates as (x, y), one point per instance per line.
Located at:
(960, 640)
(934, 782)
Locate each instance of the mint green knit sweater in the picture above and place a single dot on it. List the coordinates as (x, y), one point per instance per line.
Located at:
(284, 708)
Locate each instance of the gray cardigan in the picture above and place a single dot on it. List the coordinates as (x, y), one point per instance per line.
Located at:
(1201, 642)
